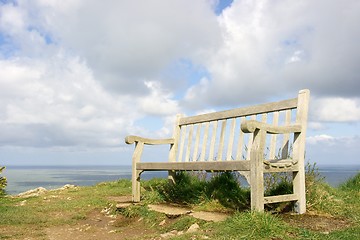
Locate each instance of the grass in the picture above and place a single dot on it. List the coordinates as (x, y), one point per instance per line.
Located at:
(31, 217)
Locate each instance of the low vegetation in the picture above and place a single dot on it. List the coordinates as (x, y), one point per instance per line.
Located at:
(90, 212)
(3, 182)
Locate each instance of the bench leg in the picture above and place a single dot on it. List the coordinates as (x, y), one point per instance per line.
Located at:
(256, 182)
(136, 173)
(299, 190)
(171, 177)
(136, 185)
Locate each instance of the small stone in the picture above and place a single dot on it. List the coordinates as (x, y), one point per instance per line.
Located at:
(162, 223)
(121, 206)
(193, 228)
(33, 193)
(22, 203)
(168, 234)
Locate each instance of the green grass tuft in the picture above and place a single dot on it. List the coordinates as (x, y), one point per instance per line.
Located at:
(352, 184)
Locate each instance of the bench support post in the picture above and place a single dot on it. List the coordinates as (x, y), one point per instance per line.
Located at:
(299, 151)
(257, 172)
(139, 146)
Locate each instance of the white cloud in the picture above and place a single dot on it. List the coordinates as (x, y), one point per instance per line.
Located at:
(335, 109)
(159, 101)
(78, 74)
(330, 141)
(61, 105)
(276, 47)
(125, 42)
(323, 138)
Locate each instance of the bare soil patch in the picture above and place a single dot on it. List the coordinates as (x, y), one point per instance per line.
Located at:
(100, 226)
(316, 222)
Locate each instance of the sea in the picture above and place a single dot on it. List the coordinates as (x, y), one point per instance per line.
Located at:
(24, 178)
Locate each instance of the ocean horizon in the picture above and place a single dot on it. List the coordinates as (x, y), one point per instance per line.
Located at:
(24, 178)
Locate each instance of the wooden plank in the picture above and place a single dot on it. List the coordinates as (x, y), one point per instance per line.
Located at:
(285, 146)
(294, 168)
(188, 149)
(182, 143)
(239, 112)
(299, 150)
(250, 141)
(231, 139)
(242, 165)
(204, 144)
(197, 140)
(240, 145)
(176, 136)
(221, 140)
(213, 140)
(280, 198)
(251, 125)
(148, 141)
(257, 170)
(174, 147)
(274, 136)
(135, 176)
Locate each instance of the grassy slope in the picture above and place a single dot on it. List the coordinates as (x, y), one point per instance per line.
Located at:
(20, 217)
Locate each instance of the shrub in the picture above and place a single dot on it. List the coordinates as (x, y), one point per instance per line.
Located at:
(226, 189)
(188, 189)
(193, 188)
(3, 182)
(351, 184)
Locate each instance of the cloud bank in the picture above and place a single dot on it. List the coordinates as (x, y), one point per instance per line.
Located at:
(83, 74)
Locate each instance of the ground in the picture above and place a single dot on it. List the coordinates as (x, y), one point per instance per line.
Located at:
(98, 224)
(104, 212)
(101, 226)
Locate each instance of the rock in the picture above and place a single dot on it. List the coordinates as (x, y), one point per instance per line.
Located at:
(66, 186)
(22, 203)
(33, 193)
(173, 233)
(209, 216)
(170, 211)
(193, 228)
(122, 206)
(40, 190)
(162, 223)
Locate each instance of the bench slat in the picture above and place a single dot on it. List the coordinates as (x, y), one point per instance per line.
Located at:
(250, 141)
(242, 165)
(239, 151)
(189, 139)
(274, 136)
(281, 198)
(221, 140)
(197, 140)
(285, 146)
(205, 138)
(231, 139)
(182, 144)
(213, 140)
(257, 109)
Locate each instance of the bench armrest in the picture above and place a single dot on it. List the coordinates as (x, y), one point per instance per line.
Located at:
(132, 139)
(251, 125)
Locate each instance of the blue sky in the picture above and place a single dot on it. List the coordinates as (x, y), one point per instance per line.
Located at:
(76, 77)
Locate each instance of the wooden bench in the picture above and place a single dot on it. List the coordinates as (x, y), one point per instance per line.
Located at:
(254, 140)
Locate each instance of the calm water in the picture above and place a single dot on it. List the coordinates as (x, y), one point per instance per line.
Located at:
(23, 178)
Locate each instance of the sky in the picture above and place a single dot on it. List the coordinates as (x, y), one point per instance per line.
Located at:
(77, 76)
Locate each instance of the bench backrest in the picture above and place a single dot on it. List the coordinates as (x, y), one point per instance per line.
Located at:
(217, 136)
